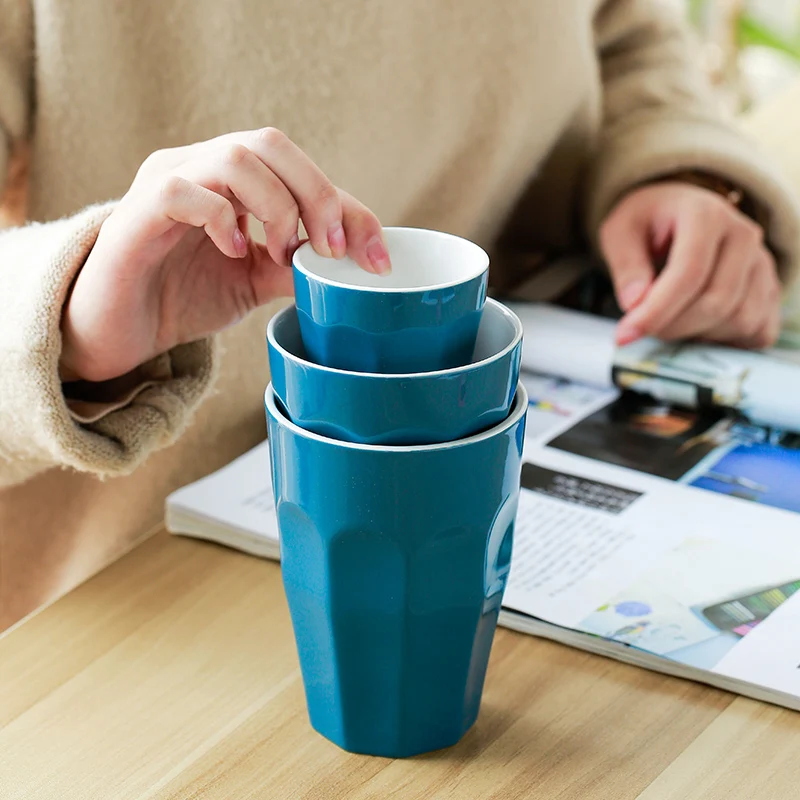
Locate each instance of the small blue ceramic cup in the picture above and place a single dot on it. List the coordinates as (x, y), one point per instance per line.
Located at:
(394, 563)
(421, 408)
(424, 316)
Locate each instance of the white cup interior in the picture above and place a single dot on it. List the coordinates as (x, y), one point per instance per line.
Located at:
(421, 259)
(498, 332)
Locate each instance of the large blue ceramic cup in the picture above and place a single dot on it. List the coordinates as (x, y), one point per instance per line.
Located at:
(421, 408)
(394, 563)
(423, 316)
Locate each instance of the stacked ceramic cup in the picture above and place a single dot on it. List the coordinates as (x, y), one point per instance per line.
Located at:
(396, 425)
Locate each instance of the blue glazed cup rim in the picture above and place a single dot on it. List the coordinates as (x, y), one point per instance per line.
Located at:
(482, 261)
(518, 410)
(399, 376)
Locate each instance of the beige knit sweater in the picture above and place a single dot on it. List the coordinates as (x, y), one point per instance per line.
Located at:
(436, 113)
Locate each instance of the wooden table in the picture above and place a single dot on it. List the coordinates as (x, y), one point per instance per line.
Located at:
(173, 674)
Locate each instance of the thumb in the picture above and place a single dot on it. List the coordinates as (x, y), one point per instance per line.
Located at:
(624, 242)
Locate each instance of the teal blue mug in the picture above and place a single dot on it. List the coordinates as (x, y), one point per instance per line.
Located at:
(394, 564)
(420, 408)
(424, 316)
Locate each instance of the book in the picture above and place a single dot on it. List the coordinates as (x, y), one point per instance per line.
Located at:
(659, 511)
(233, 506)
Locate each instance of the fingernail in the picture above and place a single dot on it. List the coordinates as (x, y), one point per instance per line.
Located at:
(294, 243)
(628, 332)
(239, 243)
(379, 257)
(631, 294)
(336, 240)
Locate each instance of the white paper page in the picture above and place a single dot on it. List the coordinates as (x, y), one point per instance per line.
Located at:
(567, 560)
(770, 653)
(649, 571)
(239, 495)
(570, 344)
(576, 542)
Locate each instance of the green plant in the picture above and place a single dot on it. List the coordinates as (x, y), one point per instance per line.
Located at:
(751, 32)
(746, 30)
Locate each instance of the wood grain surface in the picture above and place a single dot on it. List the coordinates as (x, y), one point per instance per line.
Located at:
(173, 674)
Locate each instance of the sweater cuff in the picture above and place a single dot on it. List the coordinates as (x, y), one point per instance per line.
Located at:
(88, 402)
(662, 146)
(39, 429)
(154, 415)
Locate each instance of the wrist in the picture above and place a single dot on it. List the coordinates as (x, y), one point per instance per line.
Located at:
(77, 365)
(68, 369)
(66, 374)
(77, 388)
(729, 191)
(713, 183)
(71, 367)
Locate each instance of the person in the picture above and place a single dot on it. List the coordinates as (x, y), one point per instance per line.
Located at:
(172, 150)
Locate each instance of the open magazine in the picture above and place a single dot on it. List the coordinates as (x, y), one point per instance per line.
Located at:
(659, 517)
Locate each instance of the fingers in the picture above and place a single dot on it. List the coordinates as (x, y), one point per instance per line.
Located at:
(365, 244)
(755, 323)
(265, 173)
(179, 200)
(771, 331)
(237, 173)
(624, 241)
(719, 281)
(725, 292)
(321, 205)
(691, 260)
(316, 197)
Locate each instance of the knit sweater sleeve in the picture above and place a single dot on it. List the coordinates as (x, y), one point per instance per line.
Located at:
(661, 116)
(38, 263)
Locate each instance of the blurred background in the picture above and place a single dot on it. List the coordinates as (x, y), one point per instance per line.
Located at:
(750, 48)
(751, 51)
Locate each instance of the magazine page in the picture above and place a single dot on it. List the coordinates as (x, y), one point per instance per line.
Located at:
(570, 344)
(676, 532)
(761, 386)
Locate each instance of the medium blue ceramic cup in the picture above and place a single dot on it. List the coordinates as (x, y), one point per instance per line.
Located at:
(424, 316)
(421, 408)
(394, 562)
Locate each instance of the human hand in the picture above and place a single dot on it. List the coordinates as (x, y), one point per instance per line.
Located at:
(173, 263)
(719, 282)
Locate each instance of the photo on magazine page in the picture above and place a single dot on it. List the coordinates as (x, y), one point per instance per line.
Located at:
(697, 603)
(707, 448)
